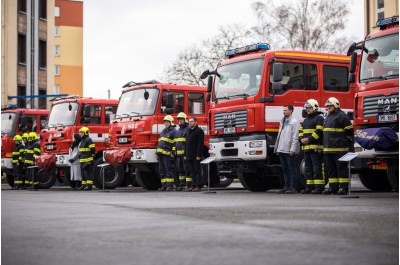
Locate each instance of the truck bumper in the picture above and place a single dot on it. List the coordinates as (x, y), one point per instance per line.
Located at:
(6, 163)
(143, 156)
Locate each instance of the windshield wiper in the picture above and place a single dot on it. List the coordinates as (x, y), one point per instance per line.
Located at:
(244, 95)
(374, 78)
(124, 115)
(134, 112)
(392, 75)
(216, 99)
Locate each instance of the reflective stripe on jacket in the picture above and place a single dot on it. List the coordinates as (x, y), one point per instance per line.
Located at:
(166, 142)
(33, 150)
(87, 150)
(180, 140)
(338, 133)
(312, 129)
(17, 154)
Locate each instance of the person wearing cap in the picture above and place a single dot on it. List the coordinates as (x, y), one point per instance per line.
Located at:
(165, 154)
(337, 141)
(310, 138)
(87, 151)
(194, 153)
(180, 145)
(17, 157)
(31, 152)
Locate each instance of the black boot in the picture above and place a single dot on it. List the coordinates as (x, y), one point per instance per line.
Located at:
(82, 187)
(88, 187)
(78, 184)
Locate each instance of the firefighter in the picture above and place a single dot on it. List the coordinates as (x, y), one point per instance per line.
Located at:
(165, 155)
(310, 138)
(24, 181)
(87, 152)
(33, 150)
(338, 140)
(180, 145)
(17, 157)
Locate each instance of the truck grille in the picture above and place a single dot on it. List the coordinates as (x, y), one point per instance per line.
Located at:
(236, 118)
(380, 104)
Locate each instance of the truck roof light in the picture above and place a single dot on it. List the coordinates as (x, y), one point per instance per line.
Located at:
(9, 106)
(132, 83)
(385, 22)
(247, 49)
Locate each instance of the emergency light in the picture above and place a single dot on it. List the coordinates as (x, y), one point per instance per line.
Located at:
(9, 106)
(247, 49)
(387, 21)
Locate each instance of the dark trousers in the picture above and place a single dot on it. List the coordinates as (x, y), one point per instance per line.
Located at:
(313, 166)
(183, 172)
(337, 171)
(288, 163)
(87, 173)
(195, 172)
(166, 169)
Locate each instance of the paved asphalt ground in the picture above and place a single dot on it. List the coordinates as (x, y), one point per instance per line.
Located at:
(233, 226)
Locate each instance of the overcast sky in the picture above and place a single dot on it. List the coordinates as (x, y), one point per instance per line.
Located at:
(134, 40)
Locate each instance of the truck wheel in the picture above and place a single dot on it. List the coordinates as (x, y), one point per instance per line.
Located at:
(148, 180)
(10, 178)
(224, 181)
(393, 173)
(257, 182)
(113, 176)
(46, 178)
(375, 180)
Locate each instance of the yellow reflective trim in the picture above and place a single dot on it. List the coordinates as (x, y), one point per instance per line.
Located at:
(182, 177)
(162, 151)
(188, 179)
(333, 130)
(166, 139)
(84, 160)
(15, 153)
(319, 127)
(317, 56)
(309, 130)
(349, 127)
(28, 161)
(29, 151)
(343, 180)
(301, 134)
(37, 150)
(336, 149)
(83, 182)
(89, 182)
(316, 136)
(180, 139)
(319, 182)
(333, 180)
(14, 161)
(311, 146)
(163, 180)
(84, 149)
(91, 145)
(169, 180)
(310, 181)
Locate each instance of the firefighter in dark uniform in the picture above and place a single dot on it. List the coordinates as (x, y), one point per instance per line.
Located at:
(31, 152)
(164, 151)
(24, 181)
(87, 151)
(338, 140)
(310, 138)
(180, 144)
(17, 158)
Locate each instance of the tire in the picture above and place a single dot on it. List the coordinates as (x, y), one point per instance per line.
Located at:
(393, 173)
(9, 177)
(257, 182)
(224, 181)
(375, 180)
(46, 178)
(113, 176)
(148, 180)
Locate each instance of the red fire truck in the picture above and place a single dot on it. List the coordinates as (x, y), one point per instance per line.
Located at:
(375, 71)
(139, 122)
(67, 116)
(248, 92)
(17, 121)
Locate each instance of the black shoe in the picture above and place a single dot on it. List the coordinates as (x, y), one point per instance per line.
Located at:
(316, 191)
(342, 192)
(282, 191)
(329, 191)
(162, 189)
(88, 187)
(82, 187)
(179, 188)
(306, 191)
(169, 189)
(291, 191)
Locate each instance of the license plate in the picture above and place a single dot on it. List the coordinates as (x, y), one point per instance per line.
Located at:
(122, 140)
(229, 130)
(50, 147)
(387, 118)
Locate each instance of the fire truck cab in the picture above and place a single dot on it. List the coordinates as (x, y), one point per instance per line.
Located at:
(67, 116)
(139, 122)
(375, 71)
(17, 121)
(248, 92)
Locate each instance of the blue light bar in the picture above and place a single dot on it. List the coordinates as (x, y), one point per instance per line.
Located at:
(9, 106)
(247, 49)
(387, 21)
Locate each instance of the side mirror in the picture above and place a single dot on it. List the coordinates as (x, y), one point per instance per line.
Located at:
(277, 72)
(169, 99)
(350, 114)
(146, 95)
(210, 83)
(69, 106)
(352, 78)
(353, 63)
(352, 48)
(205, 74)
(86, 111)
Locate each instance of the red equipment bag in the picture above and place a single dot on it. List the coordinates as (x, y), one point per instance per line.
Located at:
(118, 157)
(45, 161)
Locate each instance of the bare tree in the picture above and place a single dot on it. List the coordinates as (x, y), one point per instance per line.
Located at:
(189, 64)
(310, 25)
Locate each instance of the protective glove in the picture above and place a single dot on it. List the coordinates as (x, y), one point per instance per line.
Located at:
(71, 160)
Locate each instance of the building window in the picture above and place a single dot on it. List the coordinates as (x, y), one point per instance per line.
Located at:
(21, 48)
(22, 6)
(380, 8)
(56, 70)
(56, 89)
(43, 9)
(21, 92)
(42, 101)
(57, 11)
(42, 54)
(57, 50)
(57, 31)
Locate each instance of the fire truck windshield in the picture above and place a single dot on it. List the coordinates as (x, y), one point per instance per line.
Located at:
(380, 59)
(8, 121)
(133, 103)
(238, 79)
(63, 114)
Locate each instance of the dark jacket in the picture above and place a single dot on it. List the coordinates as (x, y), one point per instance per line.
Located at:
(166, 141)
(18, 154)
(194, 143)
(33, 150)
(338, 133)
(312, 129)
(180, 140)
(87, 150)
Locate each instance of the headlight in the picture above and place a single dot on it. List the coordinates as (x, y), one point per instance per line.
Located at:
(255, 144)
(138, 154)
(61, 159)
